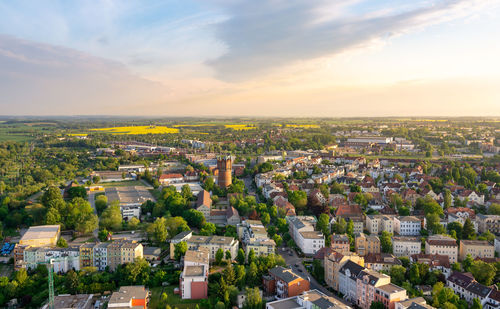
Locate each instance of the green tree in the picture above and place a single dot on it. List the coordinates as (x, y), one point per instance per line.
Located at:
(101, 202)
(72, 281)
(455, 226)
(111, 218)
(483, 272)
(386, 242)
(158, 230)
(228, 255)
(240, 258)
(398, 274)
(61, 242)
(298, 199)
(467, 263)
(494, 209)
(377, 305)
(265, 218)
(180, 249)
(229, 275)
(468, 231)
(208, 229)
(476, 304)
(253, 299)
(447, 198)
(278, 240)
(251, 256)
(415, 277)
(219, 255)
(252, 274)
(194, 218)
(323, 224)
(133, 223)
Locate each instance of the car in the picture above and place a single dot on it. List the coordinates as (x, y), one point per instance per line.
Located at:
(296, 265)
(300, 270)
(290, 254)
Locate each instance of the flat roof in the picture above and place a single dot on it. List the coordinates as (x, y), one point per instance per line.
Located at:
(41, 231)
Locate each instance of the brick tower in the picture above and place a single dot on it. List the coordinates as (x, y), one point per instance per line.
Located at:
(224, 166)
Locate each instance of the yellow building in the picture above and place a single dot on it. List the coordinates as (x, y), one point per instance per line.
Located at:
(87, 255)
(476, 248)
(43, 235)
(334, 262)
(367, 244)
(130, 251)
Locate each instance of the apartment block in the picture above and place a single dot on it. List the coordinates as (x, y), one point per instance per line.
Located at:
(407, 226)
(376, 224)
(333, 263)
(340, 243)
(135, 297)
(306, 238)
(284, 282)
(442, 245)
(476, 248)
(213, 244)
(366, 244)
(253, 236)
(488, 223)
(406, 245)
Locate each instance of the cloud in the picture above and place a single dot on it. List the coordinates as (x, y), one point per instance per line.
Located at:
(261, 36)
(43, 79)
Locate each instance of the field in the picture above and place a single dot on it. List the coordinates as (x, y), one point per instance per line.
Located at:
(240, 127)
(303, 126)
(173, 300)
(137, 130)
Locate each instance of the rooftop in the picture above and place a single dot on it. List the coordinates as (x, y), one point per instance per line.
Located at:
(194, 271)
(127, 293)
(40, 232)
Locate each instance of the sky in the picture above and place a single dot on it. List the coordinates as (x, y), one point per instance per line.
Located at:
(286, 58)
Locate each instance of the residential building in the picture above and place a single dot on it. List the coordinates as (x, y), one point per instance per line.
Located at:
(63, 259)
(340, 243)
(253, 236)
(204, 203)
(312, 299)
(168, 179)
(389, 295)
(228, 216)
(476, 248)
(87, 255)
(197, 257)
(413, 303)
(464, 285)
(407, 226)
(347, 280)
(488, 223)
(284, 282)
(68, 301)
(333, 263)
(151, 253)
(213, 244)
(442, 245)
(406, 245)
(435, 262)
(306, 238)
(193, 282)
(366, 283)
(129, 297)
(497, 244)
(376, 224)
(366, 244)
(381, 261)
(182, 236)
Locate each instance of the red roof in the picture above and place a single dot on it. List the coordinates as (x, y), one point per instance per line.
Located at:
(170, 176)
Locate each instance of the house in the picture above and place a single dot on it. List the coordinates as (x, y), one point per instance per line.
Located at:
(204, 203)
(151, 253)
(366, 283)
(366, 244)
(129, 297)
(442, 245)
(340, 243)
(284, 282)
(471, 196)
(407, 225)
(333, 263)
(347, 280)
(213, 244)
(381, 261)
(406, 245)
(476, 248)
(376, 224)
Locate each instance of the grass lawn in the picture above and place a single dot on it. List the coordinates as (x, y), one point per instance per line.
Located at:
(126, 183)
(173, 300)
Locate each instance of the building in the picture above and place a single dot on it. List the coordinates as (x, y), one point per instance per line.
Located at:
(476, 248)
(347, 280)
(497, 244)
(488, 223)
(442, 245)
(413, 303)
(381, 261)
(68, 301)
(193, 282)
(63, 259)
(435, 262)
(197, 258)
(284, 282)
(306, 238)
(464, 285)
(389, 295)
(229, 216)
(224, 166)
(213, 244)
(182, 236)
(253, 236)
(135, 297)
(366, 244)
(334, 261)
(407, 225)
(312, 299)
(373, 286)
(151, 253)
(130, 199)
(340, 243)
(376, 224)
(110, 254)
(42, 235)
(406, 245)
(204, 203)
(168, 179)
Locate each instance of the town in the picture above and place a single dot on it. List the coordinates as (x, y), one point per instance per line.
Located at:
(378, 215)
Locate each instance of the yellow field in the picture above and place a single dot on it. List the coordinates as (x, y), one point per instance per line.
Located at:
(77, 134)
(193, 125)
(305, 126)
(240, 127)
(138, 130)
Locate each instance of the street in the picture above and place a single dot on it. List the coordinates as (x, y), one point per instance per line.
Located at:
(92, 203)
(293, 260)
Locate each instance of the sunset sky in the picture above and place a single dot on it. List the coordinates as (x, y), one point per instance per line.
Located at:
(250, 58)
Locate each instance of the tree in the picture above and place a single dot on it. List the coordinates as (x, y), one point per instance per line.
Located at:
(61, 242)
(251, 256)
(476, 304)
(53, 216)
(324, 224)
(415, 278)
(175, 225)
(447, 198)
(350, 228)
(133, 223)
(377, 305)
(456, 227)
(219, 255)
(494, 209)
(483, 272)
(433, 223)
(467, 263)
(71, 281)
(103, 235)
(101, 202)
(468, 231)
(51, 195)
(253, 299)
(398, 274)
(228, 255)
(78, 191)
(194, 218)
(158, 230)
(137, 273)
(298, 198)
(111, 218)
(229, 275)
(240, 258)
(265, 218)
(277, 239)
(208, 229)
(340, 226)
(180, 249)
(186, 192)
(386, 242)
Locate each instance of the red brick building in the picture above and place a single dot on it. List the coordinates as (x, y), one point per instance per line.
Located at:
(283, 283)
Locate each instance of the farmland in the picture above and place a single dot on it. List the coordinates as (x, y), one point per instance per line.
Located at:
(240, 127)
(138, 130)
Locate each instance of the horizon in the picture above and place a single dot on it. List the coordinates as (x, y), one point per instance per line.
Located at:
(353, 58)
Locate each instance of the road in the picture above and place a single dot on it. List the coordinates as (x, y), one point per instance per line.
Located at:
(314, 284)
(92, 203)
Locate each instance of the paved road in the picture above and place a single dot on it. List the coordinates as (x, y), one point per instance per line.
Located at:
(314, 284)
(92, 203)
